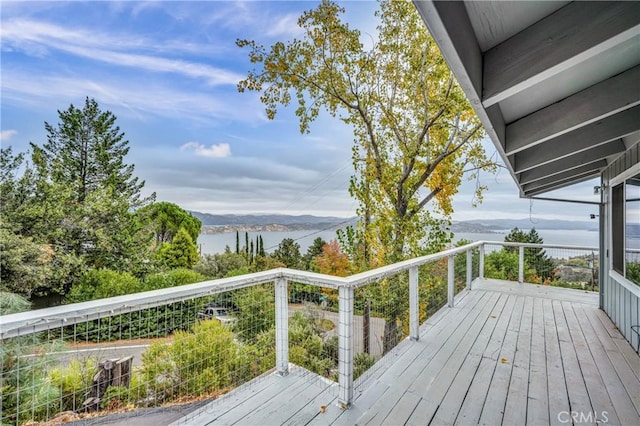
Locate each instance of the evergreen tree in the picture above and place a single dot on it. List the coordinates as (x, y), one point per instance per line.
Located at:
(164, 219)
(246, 245)
(313, 251)
(288, 252)
(261, 249)
(181, 253)
(237, 242)
(90, 149)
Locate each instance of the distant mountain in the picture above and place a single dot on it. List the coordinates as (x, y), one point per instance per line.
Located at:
(214, 223)
(526, 224)
(268, 219)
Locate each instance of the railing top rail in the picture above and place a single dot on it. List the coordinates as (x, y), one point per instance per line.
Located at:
(366, 277)
(43, 319)
(532, 245)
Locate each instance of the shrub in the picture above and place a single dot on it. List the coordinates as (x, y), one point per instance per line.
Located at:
(103, 283)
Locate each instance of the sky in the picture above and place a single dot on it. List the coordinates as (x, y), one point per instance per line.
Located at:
(168, 71)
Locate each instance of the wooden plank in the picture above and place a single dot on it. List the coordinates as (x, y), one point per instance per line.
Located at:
(376, 389)
(327, 399)
(278, 411)
(442, 329)
(625, 403)
(576, 387)
(259, 401)
(600, 400)
(576, 110)
(228, 402)
(426, 367)
(438, 376)
(402, 410)
(448, 409)
(558, 397)
(494, 404)
(515, 411)
(620, 345)
(538, 394)
(537, 290)
(473, 403)
(552, 45)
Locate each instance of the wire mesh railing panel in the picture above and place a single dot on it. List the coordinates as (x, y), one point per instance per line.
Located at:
(179, 351)
(432, 288)
(313, 331)
(563, 267)
(380, 322)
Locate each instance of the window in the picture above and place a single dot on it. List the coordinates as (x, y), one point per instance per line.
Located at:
(625, 231)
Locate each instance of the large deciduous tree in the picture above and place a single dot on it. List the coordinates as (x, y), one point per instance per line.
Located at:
(415, 133)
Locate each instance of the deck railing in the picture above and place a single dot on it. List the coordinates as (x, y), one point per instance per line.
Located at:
(181, 350)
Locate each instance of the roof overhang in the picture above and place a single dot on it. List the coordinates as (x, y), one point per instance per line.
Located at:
(556, 84)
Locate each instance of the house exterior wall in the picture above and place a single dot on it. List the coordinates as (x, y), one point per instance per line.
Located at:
(619, 298)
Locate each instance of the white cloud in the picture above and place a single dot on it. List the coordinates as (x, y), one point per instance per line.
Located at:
(130, 96)
(286, 25)
(221, 150)
(5, 135)
(37, 38)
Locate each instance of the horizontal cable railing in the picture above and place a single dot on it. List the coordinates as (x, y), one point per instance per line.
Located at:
(200, 340)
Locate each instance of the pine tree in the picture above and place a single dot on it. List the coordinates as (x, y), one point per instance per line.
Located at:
(89, 149)
(237, 242)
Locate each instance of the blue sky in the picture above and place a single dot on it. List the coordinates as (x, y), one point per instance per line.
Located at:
(168, 71)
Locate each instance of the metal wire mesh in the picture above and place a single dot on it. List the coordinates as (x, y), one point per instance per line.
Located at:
(180, 351)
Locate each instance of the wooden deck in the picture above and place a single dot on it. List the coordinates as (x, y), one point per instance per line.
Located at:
(505, 354)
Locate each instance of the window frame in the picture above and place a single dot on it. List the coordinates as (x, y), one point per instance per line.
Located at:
(614, 182)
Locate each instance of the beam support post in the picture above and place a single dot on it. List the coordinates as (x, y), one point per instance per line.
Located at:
(414, 305)
(282, 327)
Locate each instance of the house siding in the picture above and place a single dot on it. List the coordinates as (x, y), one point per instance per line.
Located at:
(620, 304)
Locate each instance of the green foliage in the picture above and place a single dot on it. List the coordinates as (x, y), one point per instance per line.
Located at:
(220, 264)
(165, 219)
(11, 303)
(172, 278)
(204, 361)
(502, 265)
(288, 252)
(103, 283)
(72, 208)
(535, 258)
(361, 363)
(147, 323)
(181, 253)
(90, 149)
(313, 251)
(255, 311)
(72, 382)
(415, 132)
(633, 272)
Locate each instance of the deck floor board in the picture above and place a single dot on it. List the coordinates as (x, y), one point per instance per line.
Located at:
(507, 353)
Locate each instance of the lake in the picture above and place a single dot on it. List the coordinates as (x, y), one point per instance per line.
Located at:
(215, 243)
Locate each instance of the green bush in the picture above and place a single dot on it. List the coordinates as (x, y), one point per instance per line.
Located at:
(103, 283)
(207, 360)
(361, 363)
(172, 278)
(73, 382)
(148, 323)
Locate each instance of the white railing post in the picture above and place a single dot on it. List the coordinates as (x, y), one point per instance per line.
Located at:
(282, 327)
(481, 262)
(450, 280)
(414, 306)
(469, 269)
(521, 264)
(345, 346)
